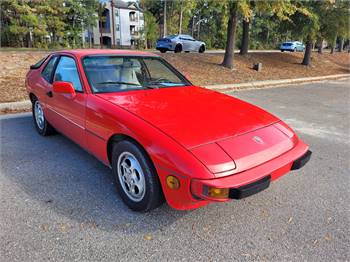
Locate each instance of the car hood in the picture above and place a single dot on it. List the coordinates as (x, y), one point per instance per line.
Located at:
(193, 116)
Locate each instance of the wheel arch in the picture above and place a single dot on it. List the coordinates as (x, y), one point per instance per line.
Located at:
(120, 137)
(32, 97)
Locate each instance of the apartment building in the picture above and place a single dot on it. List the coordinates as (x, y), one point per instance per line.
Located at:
(120, 26)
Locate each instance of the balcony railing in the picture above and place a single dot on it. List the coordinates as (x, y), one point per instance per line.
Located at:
(133, 19)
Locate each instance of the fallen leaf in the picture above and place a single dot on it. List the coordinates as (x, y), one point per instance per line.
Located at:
(44, 227)
(148, 237)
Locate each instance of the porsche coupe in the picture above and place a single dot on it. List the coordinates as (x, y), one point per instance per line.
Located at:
(164, 138)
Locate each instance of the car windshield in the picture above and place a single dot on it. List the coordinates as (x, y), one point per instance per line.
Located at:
(287, 44)
(108, 74)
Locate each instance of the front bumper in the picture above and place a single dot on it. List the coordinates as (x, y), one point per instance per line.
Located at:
(300, 162)
(256, 179)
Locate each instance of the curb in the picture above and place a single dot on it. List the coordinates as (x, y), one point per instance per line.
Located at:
(25, 105)
(15, 106)
(273, 83)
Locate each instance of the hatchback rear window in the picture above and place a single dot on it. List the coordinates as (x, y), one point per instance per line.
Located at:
(39, 63)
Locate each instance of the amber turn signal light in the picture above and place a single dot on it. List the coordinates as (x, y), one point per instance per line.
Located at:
(219, 193)
(173, 182)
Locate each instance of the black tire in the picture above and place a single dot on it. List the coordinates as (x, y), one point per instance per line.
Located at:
(44, 128)
(201, 49)
(282, 51)
(178, 48)
(153, 195)
(162, 50)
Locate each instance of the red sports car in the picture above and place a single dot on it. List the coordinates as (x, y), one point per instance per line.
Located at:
(163, 137)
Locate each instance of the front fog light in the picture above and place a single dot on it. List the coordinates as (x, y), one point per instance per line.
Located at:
(213, 192)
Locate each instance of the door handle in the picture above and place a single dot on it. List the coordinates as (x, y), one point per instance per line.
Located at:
(49, 94)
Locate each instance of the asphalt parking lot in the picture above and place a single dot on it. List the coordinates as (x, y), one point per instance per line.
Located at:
(58, 203)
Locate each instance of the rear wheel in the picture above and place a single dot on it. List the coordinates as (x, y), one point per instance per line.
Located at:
(201, 49)
(135, 177)
(178, 48)
(42, 126)
(162, 50)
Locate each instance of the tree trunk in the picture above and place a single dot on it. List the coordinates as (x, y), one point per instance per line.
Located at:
(90, 39)
(101, 38)
(164, 20)
(333, 45)
(320, 46)
(231, 34)
(245, 38)
(341, 43)
(181, 15)
(192, 29)
(307, 55)
(199, 27)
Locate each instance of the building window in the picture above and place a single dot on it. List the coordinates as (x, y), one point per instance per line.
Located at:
(117, 27)
(105, 23)
(132, 30)
(132, 17)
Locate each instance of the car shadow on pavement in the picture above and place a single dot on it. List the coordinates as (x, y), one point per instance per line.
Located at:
(66, 179)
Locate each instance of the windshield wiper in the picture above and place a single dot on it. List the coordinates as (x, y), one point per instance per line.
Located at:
(117, 82)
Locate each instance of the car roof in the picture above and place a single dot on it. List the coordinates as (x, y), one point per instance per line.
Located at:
(85, 52)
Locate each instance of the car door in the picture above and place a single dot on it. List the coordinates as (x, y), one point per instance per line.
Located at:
(193, 44)
(185, 43)
(43, 85)
(68, 111)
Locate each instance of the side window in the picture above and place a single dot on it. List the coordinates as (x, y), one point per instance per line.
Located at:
(67, 71)
(47, 72)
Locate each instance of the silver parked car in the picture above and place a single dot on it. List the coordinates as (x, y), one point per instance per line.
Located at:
(179, 43)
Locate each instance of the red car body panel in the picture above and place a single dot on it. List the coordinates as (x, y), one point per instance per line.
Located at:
(200, 136)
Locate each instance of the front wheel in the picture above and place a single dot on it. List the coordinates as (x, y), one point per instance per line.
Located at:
(42, 126)
(201, 49)
(135, 177)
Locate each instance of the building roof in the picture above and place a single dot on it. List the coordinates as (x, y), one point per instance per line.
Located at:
(126, 5)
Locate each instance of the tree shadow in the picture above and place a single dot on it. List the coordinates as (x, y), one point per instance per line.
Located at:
(66, 179)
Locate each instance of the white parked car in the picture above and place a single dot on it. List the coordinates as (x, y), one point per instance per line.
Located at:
(179, 43)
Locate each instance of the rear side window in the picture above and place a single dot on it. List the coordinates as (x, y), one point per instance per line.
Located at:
(67, 71)
(48, 70)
